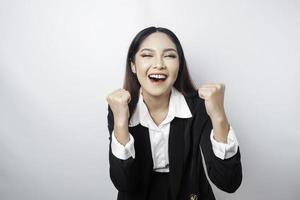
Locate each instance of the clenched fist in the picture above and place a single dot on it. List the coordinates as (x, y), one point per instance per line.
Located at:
(118, 102)
(213, 95)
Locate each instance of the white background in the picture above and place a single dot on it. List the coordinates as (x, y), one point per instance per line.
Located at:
(59, 59)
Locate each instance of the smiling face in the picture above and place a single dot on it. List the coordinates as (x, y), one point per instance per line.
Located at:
(156, 64)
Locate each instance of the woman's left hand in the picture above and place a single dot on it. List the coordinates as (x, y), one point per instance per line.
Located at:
(213, 95)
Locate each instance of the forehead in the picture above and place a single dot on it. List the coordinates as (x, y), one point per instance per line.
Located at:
(157, 41)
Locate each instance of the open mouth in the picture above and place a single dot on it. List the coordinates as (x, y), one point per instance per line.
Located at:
(157, 77)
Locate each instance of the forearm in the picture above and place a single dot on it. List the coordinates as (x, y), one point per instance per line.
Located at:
(124, 173)
(121, 133)
(226, 174)
(221, 128)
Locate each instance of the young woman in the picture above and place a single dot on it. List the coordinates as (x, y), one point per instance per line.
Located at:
(159, 121)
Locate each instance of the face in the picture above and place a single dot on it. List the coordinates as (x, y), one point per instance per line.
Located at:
(156, 64)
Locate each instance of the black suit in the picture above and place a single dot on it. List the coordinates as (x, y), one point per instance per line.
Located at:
(132, 176)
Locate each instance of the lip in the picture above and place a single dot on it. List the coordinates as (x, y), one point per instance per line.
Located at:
(159, 73)
(157, 82)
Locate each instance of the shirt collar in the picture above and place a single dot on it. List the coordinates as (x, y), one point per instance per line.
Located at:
(177, 108)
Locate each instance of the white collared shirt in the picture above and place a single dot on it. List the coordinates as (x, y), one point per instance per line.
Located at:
(159, 135)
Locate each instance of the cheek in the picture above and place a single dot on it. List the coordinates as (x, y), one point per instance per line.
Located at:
(141, 71)
(174, 70)
(142, 67)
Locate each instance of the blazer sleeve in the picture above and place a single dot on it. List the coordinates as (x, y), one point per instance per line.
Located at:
(225, 174)
(123, 173)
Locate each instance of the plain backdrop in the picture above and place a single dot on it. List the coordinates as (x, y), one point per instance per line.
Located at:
(59, 59)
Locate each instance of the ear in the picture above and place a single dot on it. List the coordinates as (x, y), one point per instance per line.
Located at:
(133, 69)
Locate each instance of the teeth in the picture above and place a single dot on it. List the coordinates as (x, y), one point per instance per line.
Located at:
(158, 76)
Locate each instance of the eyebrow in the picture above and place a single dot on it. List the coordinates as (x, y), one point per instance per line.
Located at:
(168, 49)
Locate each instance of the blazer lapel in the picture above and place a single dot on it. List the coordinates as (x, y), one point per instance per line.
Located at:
(179, 142)
(143, 151)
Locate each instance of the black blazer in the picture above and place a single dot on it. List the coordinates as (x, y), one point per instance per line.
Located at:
(132, 177)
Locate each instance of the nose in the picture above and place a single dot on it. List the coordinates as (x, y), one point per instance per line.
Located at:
(159, 65)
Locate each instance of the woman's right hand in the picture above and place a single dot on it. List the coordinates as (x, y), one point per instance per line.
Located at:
(118, 102)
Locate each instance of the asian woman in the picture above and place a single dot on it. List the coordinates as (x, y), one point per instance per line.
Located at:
(161, 125)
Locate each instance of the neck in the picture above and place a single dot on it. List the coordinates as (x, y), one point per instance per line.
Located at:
(157, 103)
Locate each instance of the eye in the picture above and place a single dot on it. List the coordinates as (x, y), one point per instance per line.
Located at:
(146, 55)
(171, 56)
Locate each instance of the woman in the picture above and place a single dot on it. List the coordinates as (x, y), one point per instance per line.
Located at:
(158, 121)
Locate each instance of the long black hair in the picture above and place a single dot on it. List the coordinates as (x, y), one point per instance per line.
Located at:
(183, 83)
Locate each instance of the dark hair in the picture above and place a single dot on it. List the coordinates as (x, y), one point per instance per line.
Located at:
(183, 82)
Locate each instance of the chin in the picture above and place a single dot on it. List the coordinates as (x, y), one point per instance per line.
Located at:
(156, 92)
